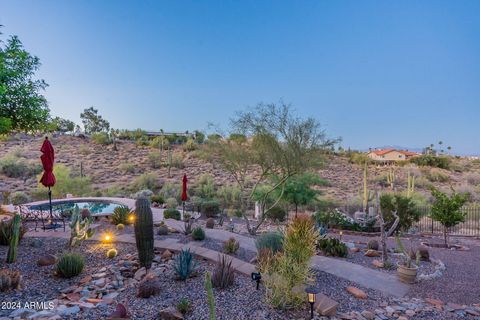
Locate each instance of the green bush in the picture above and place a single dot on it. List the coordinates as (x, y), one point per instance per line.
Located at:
(231, 246)
(171, 190)
(66, 183)
(332, 247)
(171, 213)
(431, 161)
(177, 161)
(120, 215)
(157, 198)
(277, 213)
(359, 158)
(405, 207)
(204, 187)
(19, 197)
(335, 219)
(101, 138)
(190, 145)
(210, 208)
(70, 265)
(148, 181)
(184, 306)
(17, 167)
(437, 175)
(171, 203)
(127, 167)
(198, 234)
(270, 240)
(159, 143)
(184, 264)
(155, 160)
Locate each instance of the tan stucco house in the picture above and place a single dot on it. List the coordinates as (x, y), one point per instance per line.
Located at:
(390, 155)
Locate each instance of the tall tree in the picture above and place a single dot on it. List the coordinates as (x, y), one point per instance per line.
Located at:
(22, 106)
(298, 189)
(280, 144)
(93, 122)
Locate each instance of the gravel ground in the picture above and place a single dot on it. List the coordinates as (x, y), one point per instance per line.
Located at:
(461, 270)
(39, 283)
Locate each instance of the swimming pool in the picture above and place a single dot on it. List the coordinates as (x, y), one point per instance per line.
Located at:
(67, 206)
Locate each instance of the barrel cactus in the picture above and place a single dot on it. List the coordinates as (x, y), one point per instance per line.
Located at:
(144, 232)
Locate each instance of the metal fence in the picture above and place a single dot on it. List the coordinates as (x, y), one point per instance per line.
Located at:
(471, 226)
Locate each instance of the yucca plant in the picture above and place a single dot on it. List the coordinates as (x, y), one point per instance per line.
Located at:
(185, 265)
(70, 265)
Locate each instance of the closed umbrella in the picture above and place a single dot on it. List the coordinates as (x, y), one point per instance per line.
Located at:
(48, 178)
(184, 191)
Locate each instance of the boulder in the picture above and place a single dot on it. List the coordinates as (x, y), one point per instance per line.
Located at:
(373, 245)
(210, 223)
(357, 293)
(167, 255)
(119, 313)
(47, 260)
(170, 313)
(140, 274)
(369, 315)
(377, 263)
(372, 253)
(325, 306)
(424, 253)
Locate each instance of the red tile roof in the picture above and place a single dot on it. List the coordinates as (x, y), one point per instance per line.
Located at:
(385, 151)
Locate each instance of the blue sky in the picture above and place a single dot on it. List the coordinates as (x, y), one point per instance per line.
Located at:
(373, 72)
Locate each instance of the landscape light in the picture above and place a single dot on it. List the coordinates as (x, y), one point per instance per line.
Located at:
(131, 218)
(341, 234)
(311, 296)
(107, 237)
(256, 276)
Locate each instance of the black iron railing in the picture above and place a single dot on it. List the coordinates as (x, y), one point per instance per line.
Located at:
(471, 226)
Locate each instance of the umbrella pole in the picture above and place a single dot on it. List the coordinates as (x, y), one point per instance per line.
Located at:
(50, 202)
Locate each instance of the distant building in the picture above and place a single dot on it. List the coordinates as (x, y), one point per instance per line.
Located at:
(391, 155)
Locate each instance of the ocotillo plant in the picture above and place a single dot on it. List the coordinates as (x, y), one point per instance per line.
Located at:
(144, 232)
(12, 249)
(410, 184)
(367, 194)
(79, 227)
(211, 298)
(391, 178)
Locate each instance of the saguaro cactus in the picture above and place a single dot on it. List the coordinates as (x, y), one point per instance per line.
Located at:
(391, 178)
(144, 232)
(210, 297)
(410, 184)
(12, 249)
(367, 194)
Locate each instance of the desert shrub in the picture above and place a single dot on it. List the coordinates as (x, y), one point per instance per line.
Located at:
(405, 207)
(210, 223)
(204, 187)
(184, 264)
(155, 160)
(145, 193)
(70, 265)
(436, 175)
(6, 229)
(17, 167)
(112, 253)
(277, 213)
(190, 145)
(120, 215)
(198, 234)
(162, 229)
(160, 143)
(473, 178)
(332, 247)
(471, 190)
(171, 203)
(67, 183)
(9, 280)
(210, 208)
(290, 269)
(101, 138)
(431, 161)
(231, 246)
(171, 190)
(336, 219)
(127, 167)
(229, 196)
(177, 161)
(373, 245)
(148, 181)
(223, 275)
(184, 306)
(171, 213)
(148, 287)
(157, 198)
(270, 240)
(358, 158)
(19, 197)
(235, 213)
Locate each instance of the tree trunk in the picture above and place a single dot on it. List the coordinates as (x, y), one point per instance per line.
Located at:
(296, 210)
(445, 236)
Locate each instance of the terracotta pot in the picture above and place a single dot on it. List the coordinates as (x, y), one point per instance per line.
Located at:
(407, 275)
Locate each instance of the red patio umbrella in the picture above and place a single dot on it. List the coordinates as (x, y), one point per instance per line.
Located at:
(184, 191)
(48, 178)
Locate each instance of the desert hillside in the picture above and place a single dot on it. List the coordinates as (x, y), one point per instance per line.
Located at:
(108, 168)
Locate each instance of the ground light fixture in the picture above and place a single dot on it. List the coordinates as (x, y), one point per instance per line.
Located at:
(131, 218)
(107, 237)
(341, 234)
(256, 276)
(311, 295)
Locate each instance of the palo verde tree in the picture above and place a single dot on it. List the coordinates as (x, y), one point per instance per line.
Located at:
(93, 122)
(447, 209)
(299, 189)
(22, 106)
(279, 145)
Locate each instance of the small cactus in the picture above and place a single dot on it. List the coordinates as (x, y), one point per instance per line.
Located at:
(9, 279)
(410, 184)
(70, 265)
(120, 226)
(12, 249)
(391, 178)
(112, 253)
(211, 298)
(367, 195)
(80, 228)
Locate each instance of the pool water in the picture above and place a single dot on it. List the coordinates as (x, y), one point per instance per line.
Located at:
(95, 207)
